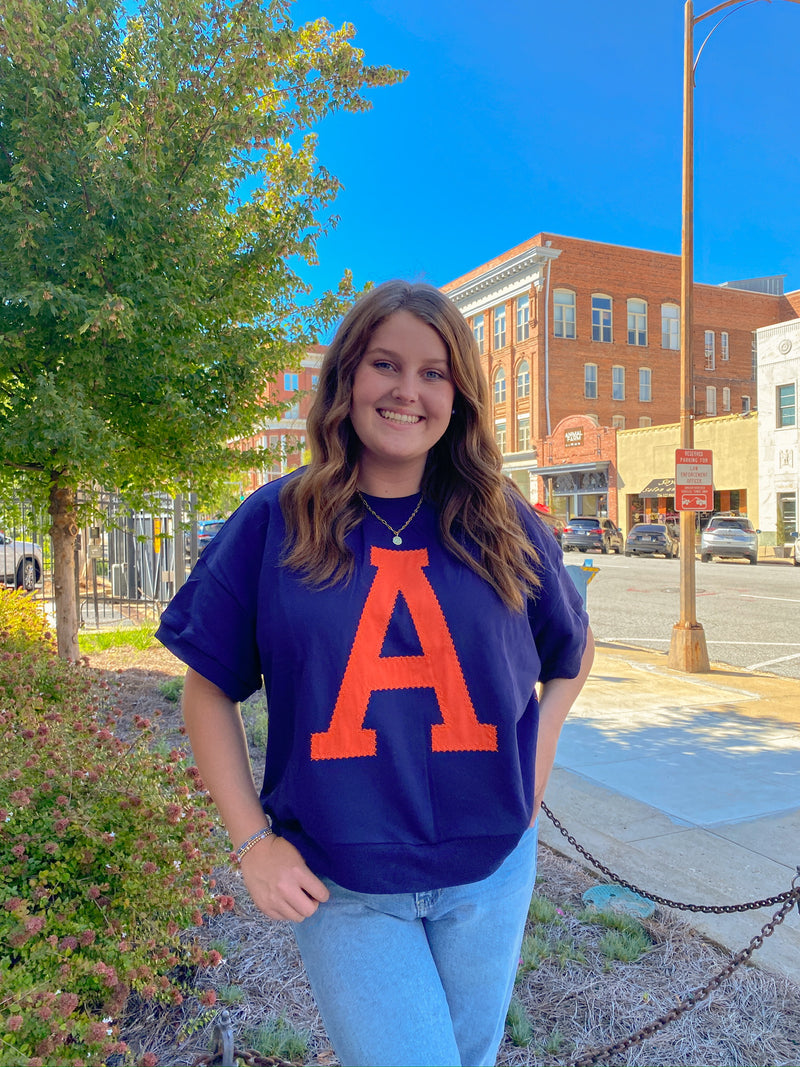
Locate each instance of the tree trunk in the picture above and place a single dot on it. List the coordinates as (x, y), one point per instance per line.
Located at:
(63, 533)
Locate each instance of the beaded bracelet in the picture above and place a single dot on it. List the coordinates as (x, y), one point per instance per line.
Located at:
(245, 846)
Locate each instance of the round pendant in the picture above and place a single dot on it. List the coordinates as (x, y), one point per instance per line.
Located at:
(397, 540)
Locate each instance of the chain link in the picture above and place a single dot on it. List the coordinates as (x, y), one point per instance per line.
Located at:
(786, 900)
(710, 909)
(250, 1057)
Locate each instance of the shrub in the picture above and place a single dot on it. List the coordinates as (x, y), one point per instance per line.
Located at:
(21, 621)
(106, 848)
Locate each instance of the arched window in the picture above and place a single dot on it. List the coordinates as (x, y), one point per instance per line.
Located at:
(523, 380)
(500, 386)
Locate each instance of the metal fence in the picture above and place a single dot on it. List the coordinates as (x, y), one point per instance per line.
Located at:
(128, 563)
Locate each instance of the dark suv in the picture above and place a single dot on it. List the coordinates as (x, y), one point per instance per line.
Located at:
(583, 533)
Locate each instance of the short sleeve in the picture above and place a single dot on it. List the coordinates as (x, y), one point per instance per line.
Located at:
(557, 616)
(211, 622)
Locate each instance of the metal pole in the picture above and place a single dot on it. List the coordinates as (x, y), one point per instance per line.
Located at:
(687, 651)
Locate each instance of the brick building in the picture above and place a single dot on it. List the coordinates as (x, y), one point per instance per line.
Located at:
(568, 327)
(286, 435)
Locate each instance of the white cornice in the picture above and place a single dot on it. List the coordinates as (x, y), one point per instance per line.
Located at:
(503, 282)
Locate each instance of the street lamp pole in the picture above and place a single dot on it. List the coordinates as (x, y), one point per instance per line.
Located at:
(687, 650)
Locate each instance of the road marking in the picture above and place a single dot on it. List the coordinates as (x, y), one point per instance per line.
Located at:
(769, 662)
(666, 640)
(755, 596)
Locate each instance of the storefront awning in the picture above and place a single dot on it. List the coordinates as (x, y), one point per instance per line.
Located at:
(659, 487)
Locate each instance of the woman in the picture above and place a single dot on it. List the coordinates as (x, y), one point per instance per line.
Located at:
(402, 603)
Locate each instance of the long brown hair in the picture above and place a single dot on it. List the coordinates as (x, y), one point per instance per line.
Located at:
(462, 478)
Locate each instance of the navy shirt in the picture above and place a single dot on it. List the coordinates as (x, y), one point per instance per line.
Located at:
(402, 706)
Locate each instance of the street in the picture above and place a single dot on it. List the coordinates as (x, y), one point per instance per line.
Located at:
(750, 615)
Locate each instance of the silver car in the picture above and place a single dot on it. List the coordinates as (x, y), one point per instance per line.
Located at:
(729, 537)
(20, 563)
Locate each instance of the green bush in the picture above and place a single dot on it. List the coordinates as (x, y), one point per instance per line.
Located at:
(106, 848)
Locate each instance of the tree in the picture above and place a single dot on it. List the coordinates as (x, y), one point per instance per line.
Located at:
(158, 193)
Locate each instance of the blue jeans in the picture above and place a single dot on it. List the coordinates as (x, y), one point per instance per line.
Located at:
(420, 979)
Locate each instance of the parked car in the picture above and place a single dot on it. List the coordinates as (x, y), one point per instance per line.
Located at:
(729, 536)
(207, 530)
(21, 563)
(553, 521)
(585, 532)
(652, 538)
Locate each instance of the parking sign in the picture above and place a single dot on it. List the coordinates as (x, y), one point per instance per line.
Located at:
(694, 482)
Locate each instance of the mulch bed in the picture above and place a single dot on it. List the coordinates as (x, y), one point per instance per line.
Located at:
(576, 999)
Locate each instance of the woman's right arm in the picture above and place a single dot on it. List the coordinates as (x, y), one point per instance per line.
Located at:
(275, 873)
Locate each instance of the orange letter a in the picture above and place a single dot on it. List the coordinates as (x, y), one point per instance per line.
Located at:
(437, 668)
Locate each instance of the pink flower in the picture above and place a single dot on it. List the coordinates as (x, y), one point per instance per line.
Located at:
(208, 997)
(14, 1022)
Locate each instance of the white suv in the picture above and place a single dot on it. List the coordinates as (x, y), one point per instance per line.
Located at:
(20, 563)
(729, 537)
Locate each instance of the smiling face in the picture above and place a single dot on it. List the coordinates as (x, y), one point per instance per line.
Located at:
(401, 403)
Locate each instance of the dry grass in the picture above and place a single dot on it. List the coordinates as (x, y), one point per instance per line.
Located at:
(575, 1000)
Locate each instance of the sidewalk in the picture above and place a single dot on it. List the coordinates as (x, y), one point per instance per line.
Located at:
(687, 785)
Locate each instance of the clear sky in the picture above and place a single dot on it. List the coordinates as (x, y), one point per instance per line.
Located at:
(522, 116)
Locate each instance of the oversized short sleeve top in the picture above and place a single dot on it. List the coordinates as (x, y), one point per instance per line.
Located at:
(402, 707)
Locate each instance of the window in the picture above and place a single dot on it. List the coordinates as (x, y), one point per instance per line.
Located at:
(523, 318)
(724, 347)
(709, 350)
(637, 322)
(786, 405)
(745, 404)
(645, 420)
(671, 327)
(590, 381)
(754, 358)
(617, 383)
(500, 386)
(523, 379)
(711, 400)
(314, 381)
(563, 313)
(644, 384)
(499, 318)
(726, 399)
(291, 383)
(601, 318)
(477, 330)
(523, 433)
(618, 422)
(500, 435)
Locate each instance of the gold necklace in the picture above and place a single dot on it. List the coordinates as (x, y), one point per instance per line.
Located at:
(397, 539)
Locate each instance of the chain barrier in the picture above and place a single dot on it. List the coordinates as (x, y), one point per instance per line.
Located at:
(787, 901)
